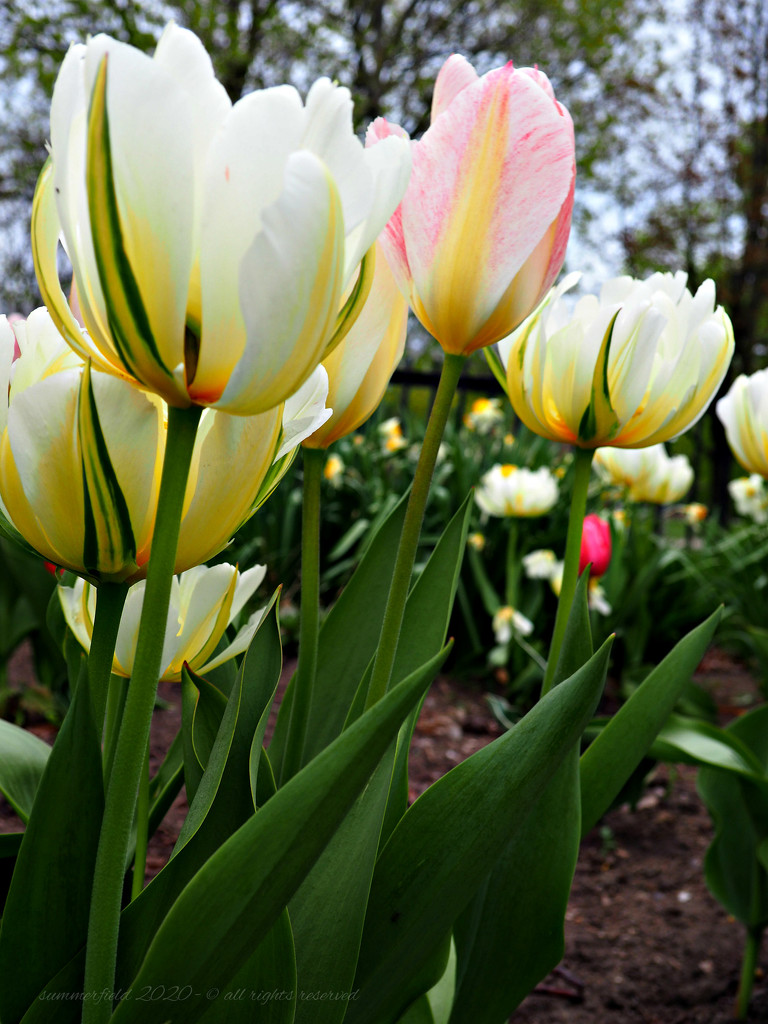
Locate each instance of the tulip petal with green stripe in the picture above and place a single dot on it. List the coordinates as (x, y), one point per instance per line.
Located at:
(183, 217)
(108, 538)
(46, 230)
(360, 367)
(142, 226)
(204, 600)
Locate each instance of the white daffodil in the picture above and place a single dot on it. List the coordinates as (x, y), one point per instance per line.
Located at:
(484, 414)
(540, 564)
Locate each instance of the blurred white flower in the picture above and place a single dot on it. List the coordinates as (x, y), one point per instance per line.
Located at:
(649, 473)
(483, 415)
(596, 598)
(507, 621)
(511, 491)
(391, 434)
(540, 564)
(750, 496)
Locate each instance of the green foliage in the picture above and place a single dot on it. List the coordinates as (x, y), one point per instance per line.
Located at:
(610, 759)
(449, 840)
(46, 911)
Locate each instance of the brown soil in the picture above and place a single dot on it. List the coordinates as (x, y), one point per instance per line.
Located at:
(645, 942)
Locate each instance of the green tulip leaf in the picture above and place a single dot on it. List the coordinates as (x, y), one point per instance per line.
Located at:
(328, 910)
(611, 758)
(511, 935)
(734, 866)
(46, 912)
(234, 900)
(166, 783)
(419, 1012)
(447, 843)
(23, 758)
(348, 638)
(223, 801)
(692, 741)
(265, 988)
(202, 709)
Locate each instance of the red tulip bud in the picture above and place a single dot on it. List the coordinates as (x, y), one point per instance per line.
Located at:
(595, 546)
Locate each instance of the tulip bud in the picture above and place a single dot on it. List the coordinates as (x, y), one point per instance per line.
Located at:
(595, 546)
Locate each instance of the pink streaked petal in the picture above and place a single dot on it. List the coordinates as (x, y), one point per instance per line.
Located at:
(562, 232)
(456, 74)
(540, 79)
(380, 129)
(391, 238)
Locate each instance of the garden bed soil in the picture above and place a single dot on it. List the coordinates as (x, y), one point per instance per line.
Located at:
(645, 941)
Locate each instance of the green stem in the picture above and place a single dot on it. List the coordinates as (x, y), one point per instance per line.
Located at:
(582, 470)
(116, 694)
(104, 922)
(110, 598)
(306, 670)
(142, 830)
(409, 539)
(512, 567)
(748, 964)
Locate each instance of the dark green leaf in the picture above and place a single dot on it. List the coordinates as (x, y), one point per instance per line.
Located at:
(733, 865)
(46, 913)
(234, 900)
(348, 639)
(609, 761)
(265, 988)
(23, 758)
(449, 840)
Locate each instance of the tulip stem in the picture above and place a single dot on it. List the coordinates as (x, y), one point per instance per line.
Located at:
(130, 751)
(409, 539)
(513, 570)
(304, 680)
(748, 965)
(581, 474)
(110, 599)
(142, 830)
(118, 688)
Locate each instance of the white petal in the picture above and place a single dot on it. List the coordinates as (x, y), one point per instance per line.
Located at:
(290, 290)
(305, 411)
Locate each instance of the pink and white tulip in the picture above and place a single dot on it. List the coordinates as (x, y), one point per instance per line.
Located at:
(481, 232)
